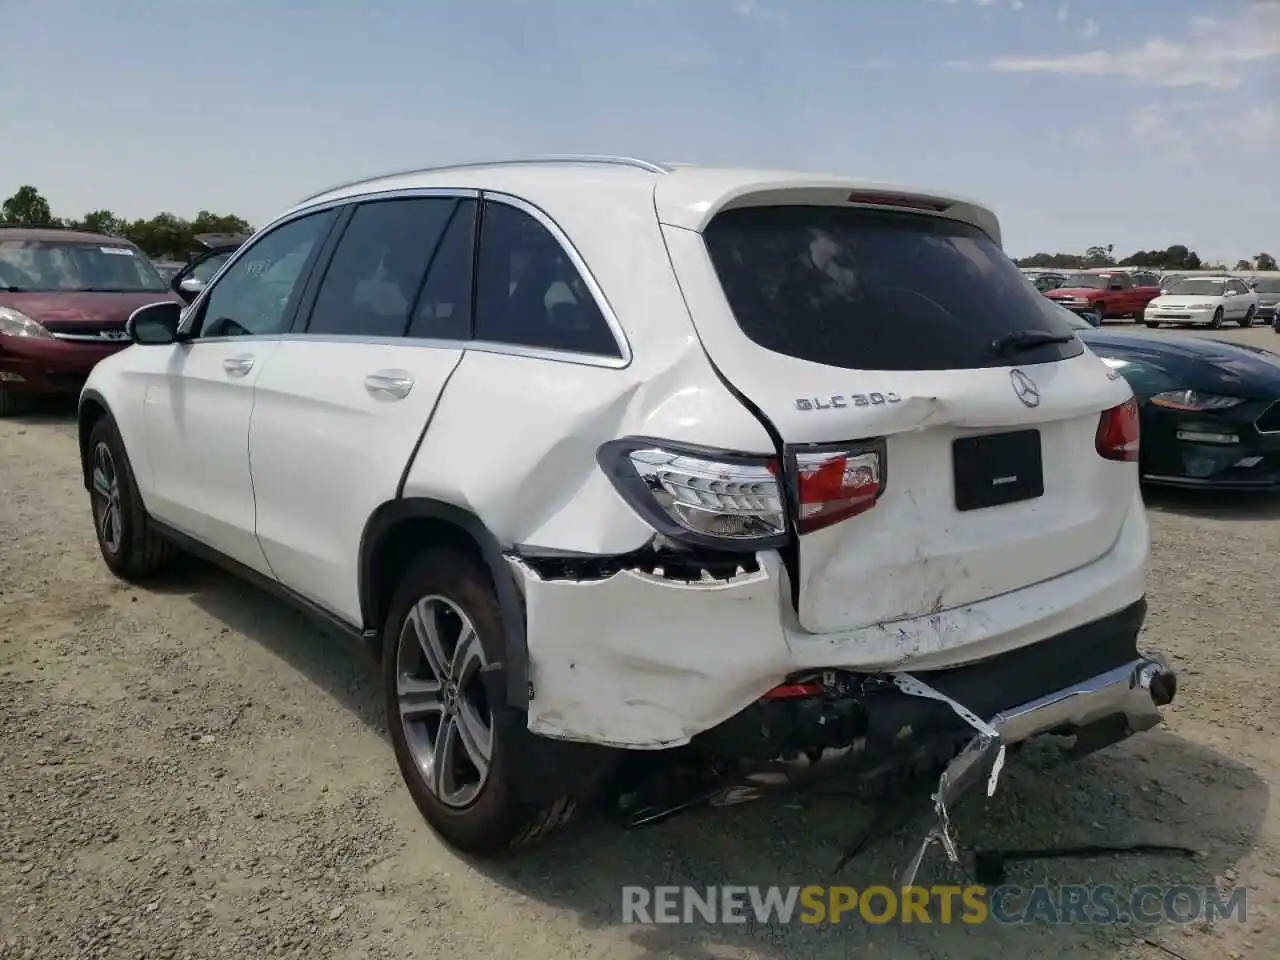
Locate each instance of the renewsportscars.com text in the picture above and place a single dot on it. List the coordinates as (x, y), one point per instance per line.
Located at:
(1089, 905)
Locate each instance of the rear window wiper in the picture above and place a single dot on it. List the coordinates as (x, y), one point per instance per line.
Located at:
(1016, 341)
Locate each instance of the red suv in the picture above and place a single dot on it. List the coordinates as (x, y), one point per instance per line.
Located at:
(64, 300)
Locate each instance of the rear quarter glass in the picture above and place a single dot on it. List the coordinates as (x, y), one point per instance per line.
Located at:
(877, 290)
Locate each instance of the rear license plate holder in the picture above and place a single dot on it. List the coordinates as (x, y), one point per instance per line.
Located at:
(999, 468)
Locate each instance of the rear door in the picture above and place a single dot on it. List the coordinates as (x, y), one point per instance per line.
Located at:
(344, 402)
(874, 332)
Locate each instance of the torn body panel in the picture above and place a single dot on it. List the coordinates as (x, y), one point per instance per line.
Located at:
(621, 656)
(636, 660)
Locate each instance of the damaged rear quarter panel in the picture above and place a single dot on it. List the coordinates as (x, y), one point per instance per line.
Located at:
(634, 660)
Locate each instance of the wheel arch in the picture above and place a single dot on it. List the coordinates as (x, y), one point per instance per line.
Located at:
(91, 409)
(400, 530)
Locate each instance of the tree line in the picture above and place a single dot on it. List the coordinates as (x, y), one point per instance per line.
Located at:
(168, 235)
(1176, 257)
(164, 235)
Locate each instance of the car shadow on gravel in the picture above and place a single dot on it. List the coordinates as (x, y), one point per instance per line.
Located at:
(1214, 504)
(40, 411)
(1155, 788)
(326, 657)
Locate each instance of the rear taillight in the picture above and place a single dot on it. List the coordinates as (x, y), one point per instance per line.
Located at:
(835, 484)
(712, 498)
(1118, 432)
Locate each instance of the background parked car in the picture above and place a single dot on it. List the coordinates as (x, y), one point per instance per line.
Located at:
(1210, 409)
(1102, 295)
(1204, 301)
(64, 300)
(1267, 290)
(217, 247)
(1048, 281)
(168, 269)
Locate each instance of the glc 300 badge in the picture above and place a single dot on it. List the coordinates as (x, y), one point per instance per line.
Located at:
(846, 400)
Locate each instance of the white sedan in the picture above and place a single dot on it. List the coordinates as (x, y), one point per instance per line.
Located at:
(1204, 300)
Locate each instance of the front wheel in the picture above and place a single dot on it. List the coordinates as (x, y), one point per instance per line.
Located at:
(460, 754)
(1095, 316)
(130, 547)
(8, 403)
(1153, 324)
(1247, 319)
(1216, 322)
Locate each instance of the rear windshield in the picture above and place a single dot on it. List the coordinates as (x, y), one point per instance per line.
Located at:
(872, 290)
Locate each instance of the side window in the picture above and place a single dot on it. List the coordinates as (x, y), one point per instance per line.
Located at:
(254, 296)
(528, 291)
(379, 266)
(444, 306)
(1239, 286)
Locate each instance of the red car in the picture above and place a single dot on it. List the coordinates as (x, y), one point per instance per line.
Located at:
(1104, 294)
(64, 300)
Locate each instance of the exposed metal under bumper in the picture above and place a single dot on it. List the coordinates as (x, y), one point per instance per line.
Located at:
(1135, 691)
(1100, 711)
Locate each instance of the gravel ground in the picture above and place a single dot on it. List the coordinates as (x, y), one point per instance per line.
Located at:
(192, 770)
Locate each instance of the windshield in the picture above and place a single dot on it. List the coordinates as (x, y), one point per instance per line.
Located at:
(1269, 285)
(44, 266)
(1197, 288)
(1091, 281)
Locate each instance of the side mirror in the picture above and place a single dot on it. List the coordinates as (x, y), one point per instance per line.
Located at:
(156, 324)
(1229, 293)
(188, 288)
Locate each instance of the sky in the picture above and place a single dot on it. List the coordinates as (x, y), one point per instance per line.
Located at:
(1136, 123)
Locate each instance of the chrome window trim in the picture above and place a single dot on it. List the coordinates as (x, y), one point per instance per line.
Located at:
(479, 346)
(482, 346)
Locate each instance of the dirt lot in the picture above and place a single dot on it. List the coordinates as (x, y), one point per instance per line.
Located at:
(193, 771)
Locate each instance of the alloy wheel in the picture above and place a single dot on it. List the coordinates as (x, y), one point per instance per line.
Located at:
(447, 721)
(106, 499)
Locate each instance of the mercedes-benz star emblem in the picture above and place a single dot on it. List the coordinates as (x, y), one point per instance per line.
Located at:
(1027, 391)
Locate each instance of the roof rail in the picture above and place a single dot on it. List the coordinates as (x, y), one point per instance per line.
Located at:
(638, 164)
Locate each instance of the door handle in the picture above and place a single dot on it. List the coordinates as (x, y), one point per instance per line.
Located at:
(389, 384)
(237, 366)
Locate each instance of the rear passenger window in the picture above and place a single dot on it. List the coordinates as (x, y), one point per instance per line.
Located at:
(877, 290)
(373, 279)
(528, 291)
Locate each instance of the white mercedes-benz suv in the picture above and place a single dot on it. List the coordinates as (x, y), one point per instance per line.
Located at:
(606, 459)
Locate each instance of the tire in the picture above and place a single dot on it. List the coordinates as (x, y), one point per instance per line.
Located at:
(1247, 319)
(8, 403)
(1153, 324)
(1216, 322)
(482, 814)
(129, 545)
(1096, 316)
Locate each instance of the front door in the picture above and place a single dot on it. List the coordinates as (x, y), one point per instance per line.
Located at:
(343, 405)
(197, 407)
